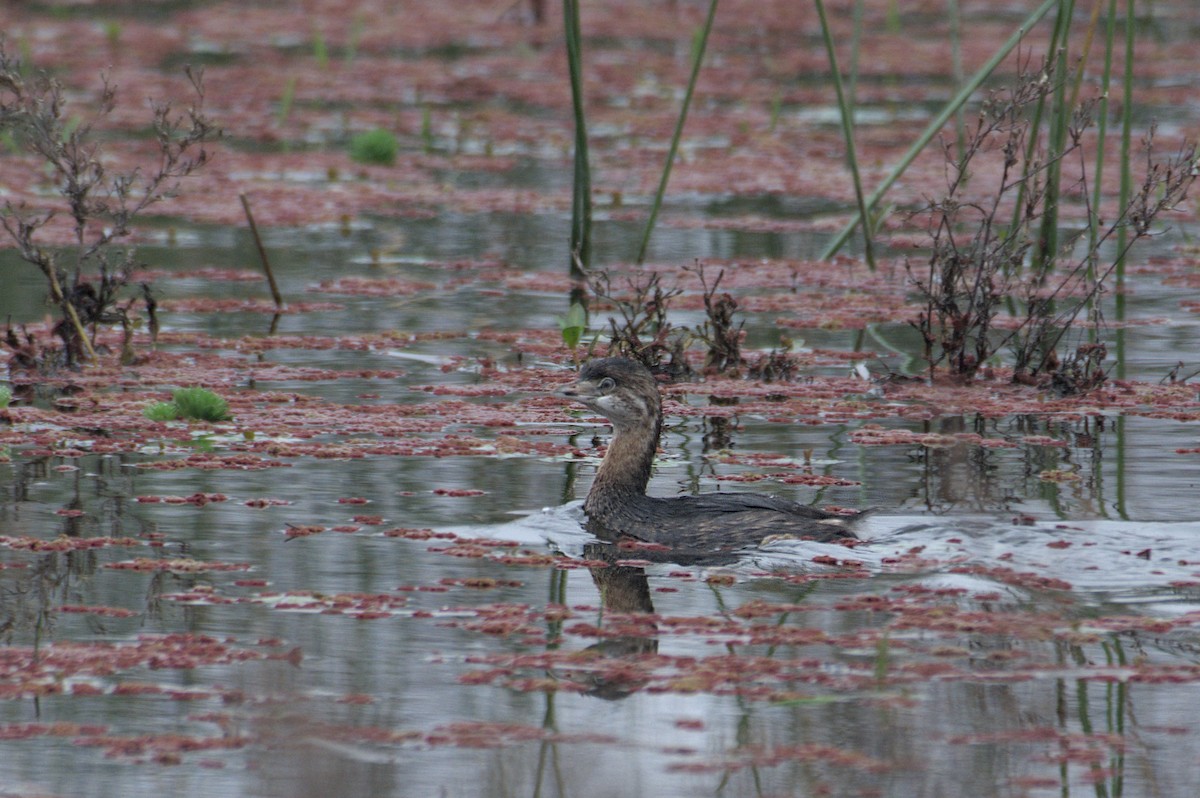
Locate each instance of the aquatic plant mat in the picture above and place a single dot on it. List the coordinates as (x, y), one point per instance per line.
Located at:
(369, 576)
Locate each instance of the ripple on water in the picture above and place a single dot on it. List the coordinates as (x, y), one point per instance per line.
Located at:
(1150, 566)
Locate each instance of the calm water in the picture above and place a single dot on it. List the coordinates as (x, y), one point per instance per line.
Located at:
(998, 635)
(434, 694)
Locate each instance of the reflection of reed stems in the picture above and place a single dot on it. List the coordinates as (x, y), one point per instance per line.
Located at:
(548, 752)
(883, 660)
(262, 252)
(1097, 774)
(697, 59)
(1116, 696)
(847, 112)
(936, 124)
(580, 257)
(1119, 434)
(558, 595)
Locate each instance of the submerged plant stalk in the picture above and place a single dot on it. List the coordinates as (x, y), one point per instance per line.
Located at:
(262, 252)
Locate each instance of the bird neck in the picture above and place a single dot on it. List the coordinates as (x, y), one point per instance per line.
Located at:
(625, 470)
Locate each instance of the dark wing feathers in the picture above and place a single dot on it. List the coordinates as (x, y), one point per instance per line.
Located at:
(724, 503)
(706, 528)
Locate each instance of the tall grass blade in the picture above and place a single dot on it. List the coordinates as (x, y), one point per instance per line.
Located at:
(1035, 135)
(1126, 181)
(1101, 138)
(427, 140)
(580, 257)
(1126, 137)
(356, 31)
(698, 48)
(1089, 37)
(936, 124)
(847, 112)
(1060, 114)
(892, 17)
(855, 45)
(320, 49)
(285, 101)
(956, 65)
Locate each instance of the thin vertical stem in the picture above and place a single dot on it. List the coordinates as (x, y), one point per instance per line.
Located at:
(697, 60)
(1047, 249)
(1101, 138)
(855, 43)
(1126, 138)
(960, 124)
(580, 257)
(1088, 38)
(262, 252)
(1035, 129)
(847, 133)
(935, 125)
(1126, 181)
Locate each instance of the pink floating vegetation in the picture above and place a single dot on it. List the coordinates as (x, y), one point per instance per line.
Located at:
(107, 612)
(64, 543)
(265, 502)
(198, 499)
(302, 530)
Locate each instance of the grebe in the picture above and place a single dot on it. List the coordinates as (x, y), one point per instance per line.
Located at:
(692, 527)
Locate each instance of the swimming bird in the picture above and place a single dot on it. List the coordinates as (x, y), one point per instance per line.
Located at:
(691, 527)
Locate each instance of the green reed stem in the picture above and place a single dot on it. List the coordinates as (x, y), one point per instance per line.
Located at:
(960, 122)
(855, 44)
(1060, 114)
(1035, 127)
(1088, 38)
(847, 112)
(285, 101)
(697, 59)
(1126, 139)
(1123, 200)
(936, 124)
(1098, 171)
(580, 257)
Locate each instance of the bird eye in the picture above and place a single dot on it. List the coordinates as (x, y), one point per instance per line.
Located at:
(607, 384)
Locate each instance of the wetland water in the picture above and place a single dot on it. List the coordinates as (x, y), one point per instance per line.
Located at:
(1001, 634)
(374, 581)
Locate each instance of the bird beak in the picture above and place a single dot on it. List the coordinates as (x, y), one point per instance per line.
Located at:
(580, 391)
